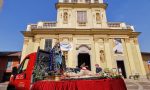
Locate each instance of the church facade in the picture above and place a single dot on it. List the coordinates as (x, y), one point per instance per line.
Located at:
(85, 36)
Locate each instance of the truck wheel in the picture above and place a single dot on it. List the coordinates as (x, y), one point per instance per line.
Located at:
(11, 87)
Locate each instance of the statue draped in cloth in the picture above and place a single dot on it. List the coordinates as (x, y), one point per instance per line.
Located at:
(58, 57)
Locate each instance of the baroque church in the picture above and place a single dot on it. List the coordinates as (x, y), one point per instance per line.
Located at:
(85, 36)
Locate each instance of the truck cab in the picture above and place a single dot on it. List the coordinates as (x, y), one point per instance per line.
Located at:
(22, 77)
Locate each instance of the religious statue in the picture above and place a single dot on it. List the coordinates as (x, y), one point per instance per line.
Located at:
(98, 18)
(102, 56)
(57, 57)
(65, 17)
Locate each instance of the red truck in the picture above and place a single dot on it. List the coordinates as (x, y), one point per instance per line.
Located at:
(34, 67)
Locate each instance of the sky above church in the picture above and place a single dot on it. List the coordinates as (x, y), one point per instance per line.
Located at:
(15, 15)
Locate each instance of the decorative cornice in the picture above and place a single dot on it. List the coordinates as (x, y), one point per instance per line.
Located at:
(135, 34)
(34, 32)
(81, 5)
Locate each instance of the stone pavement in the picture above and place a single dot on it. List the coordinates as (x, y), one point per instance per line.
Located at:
(137, 84)
(3, 86)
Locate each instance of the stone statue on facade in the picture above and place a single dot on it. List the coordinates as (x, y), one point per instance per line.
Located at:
(102, 56)
(65, 17)
(98, 18)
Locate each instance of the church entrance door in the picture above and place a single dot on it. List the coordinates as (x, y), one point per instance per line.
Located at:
(84, 58)
(121, 68)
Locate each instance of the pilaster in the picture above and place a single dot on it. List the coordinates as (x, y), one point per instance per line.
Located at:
(93, 55)
(42, 43)
(36, 43)
(126, 59)
(71, 54)
(108, 53)
(25, 45)
(141, 63)
(130, 55)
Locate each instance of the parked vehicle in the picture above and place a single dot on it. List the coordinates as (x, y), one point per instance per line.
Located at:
(36, 66)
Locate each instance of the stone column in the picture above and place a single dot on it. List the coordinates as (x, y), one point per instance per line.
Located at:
(108, 53)
(104, 18)
(99, 46)
(97, 51)
(25, 45)
(136, 44)
(36, 43)
(130, 55)
(126, 59)
(113, 58)
(93, 55)
(71, 54)
(42, 43)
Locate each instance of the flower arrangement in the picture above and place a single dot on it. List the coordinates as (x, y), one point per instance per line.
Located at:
(85, 74)
(109, 73)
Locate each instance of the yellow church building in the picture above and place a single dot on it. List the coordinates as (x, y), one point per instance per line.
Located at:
(87, 37)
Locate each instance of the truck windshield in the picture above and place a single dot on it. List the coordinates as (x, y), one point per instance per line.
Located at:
(23, 65)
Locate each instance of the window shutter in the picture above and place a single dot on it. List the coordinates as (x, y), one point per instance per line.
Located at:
(48, 43)
(81, 16)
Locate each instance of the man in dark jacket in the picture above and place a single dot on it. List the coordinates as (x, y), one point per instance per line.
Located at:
(98, 69)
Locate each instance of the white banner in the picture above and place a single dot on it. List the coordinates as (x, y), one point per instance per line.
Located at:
(65, 46)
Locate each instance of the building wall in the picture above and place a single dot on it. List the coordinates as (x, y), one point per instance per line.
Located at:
(131, 54)
(94, 38)
(146, 57)
(72, 18)
(4, 71)
(2, 67)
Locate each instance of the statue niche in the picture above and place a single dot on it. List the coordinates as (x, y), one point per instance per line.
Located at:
(65, 17)
(102, 56)
(98, 17)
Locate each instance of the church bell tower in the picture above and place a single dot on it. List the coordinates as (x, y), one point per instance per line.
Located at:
(81, 14)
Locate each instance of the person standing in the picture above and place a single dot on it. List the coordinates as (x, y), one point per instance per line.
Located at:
(98, 69)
